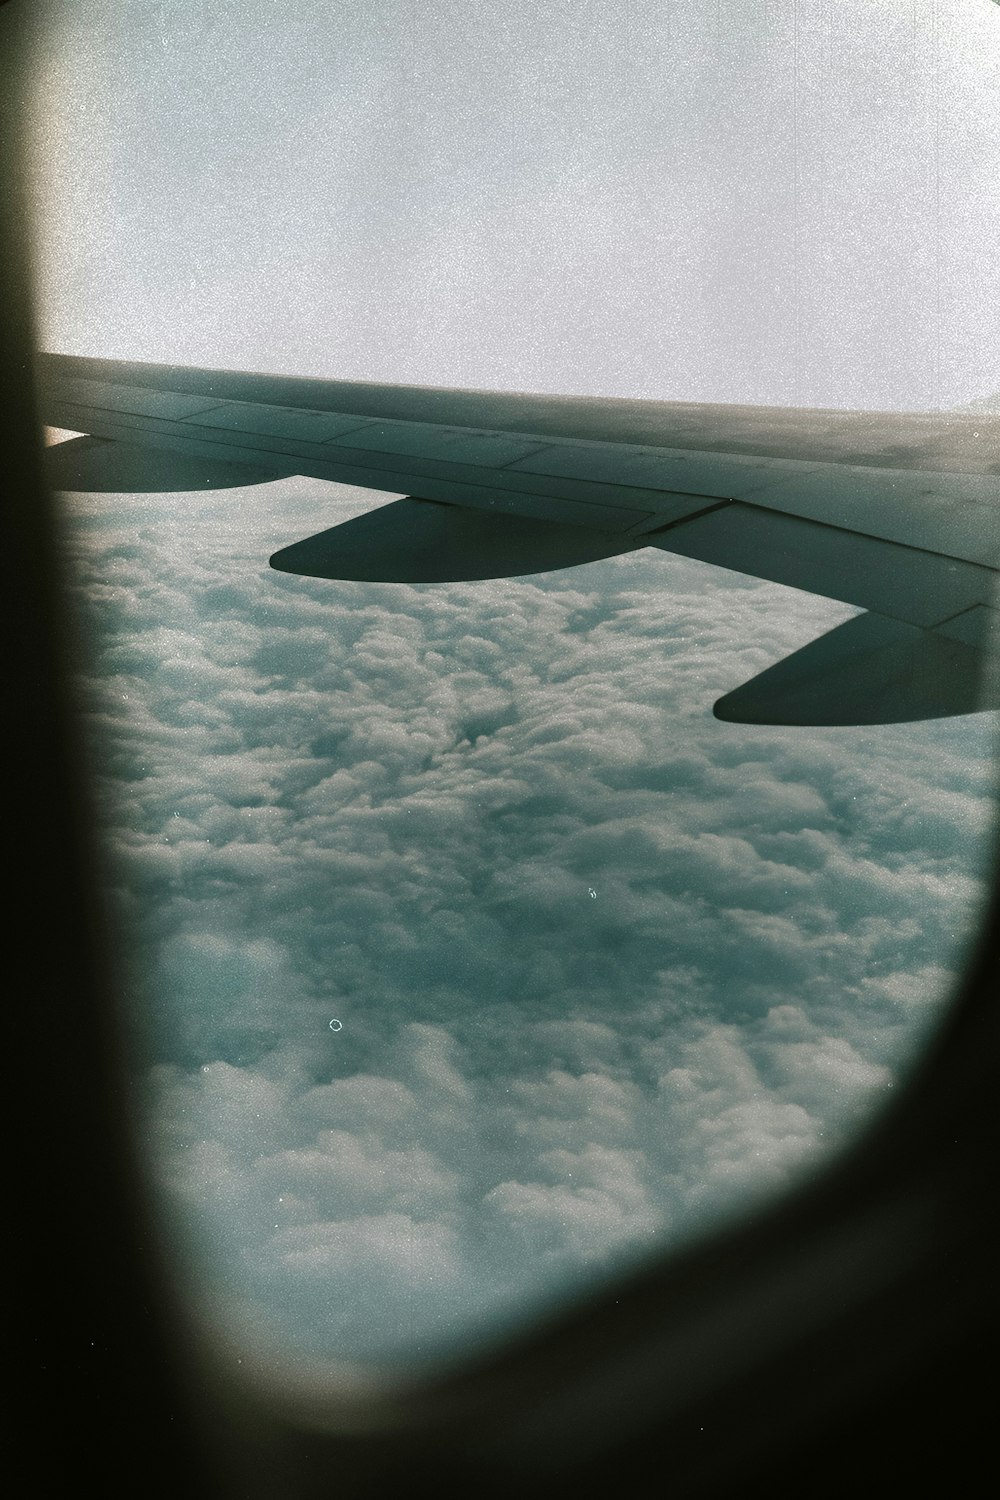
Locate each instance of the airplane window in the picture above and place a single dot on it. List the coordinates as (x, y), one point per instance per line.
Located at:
(472, 958)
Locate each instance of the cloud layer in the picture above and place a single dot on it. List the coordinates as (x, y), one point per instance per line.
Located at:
(606, 967)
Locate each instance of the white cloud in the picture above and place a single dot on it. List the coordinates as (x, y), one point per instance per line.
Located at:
(596, 1203)
(390, 805)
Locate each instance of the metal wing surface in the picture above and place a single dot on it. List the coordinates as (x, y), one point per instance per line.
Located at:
(898, 514)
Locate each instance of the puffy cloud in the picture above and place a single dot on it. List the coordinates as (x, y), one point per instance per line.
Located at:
(595, 1201)
(606, 967)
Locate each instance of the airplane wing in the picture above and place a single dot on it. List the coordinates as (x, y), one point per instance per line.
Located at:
(898, 514)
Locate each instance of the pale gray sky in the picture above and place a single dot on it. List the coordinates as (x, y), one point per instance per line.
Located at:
(792, 201)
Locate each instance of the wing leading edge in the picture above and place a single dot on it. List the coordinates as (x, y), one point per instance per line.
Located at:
(896, 514)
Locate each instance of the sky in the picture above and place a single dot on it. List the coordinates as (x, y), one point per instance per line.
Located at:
(609, 971)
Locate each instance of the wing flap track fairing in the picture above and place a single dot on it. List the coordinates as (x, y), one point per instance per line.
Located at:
(425, 541)
(870, 670)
